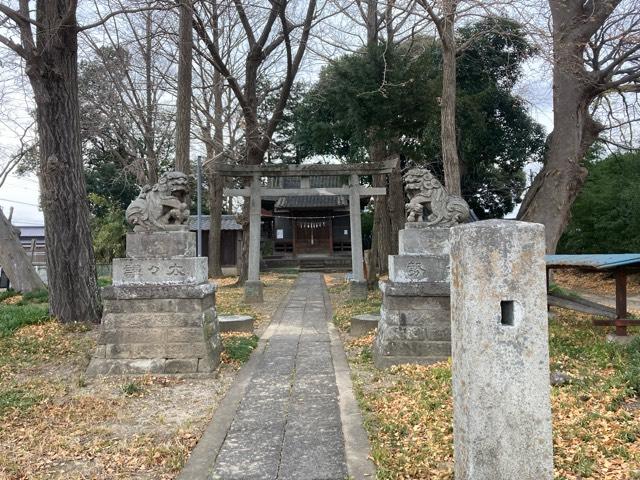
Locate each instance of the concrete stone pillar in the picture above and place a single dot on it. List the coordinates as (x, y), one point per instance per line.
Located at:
(358, 283)
(501, 392)
(253, 286)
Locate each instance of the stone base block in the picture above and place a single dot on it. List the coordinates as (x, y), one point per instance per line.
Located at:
(253, 292)
(161, 244)
(362, 325)
(418, 268)
(358, 290)
(417, 239)
(236, 323)
(204, 292)
(142, 333)
(158, 271)
(103, 366)
(412, 329)
(382, 362)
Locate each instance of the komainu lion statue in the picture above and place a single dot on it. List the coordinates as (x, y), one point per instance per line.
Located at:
(424, 190)
(162, 206)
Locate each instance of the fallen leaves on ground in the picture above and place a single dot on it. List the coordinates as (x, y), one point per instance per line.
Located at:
(596, 418)
(346, 307)
(600, 283)
(12, 300)
(230, 297)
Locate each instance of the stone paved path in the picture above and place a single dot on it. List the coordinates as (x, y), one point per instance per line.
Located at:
(287, 426)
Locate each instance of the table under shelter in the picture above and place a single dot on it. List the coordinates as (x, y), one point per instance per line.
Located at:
(620, 265)
(257, 177)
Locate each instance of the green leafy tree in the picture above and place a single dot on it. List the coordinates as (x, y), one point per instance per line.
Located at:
(108, 229)
(107, 180)
(604, 217)
(281, 148)
(390, 94)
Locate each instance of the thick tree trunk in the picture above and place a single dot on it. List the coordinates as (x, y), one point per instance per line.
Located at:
(14, 260)
(73, 286)
(216, 186)
(243, 267)
(216, 182)
(396, 203)
(215, 231)
(149, 172)
(183, 103)
(450, 159)
(382, 235)
(550, 197)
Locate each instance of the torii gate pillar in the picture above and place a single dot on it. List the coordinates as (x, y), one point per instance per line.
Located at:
(253, 285)
(358, 282)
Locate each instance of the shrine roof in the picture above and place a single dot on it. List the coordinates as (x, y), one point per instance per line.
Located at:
(312, 201)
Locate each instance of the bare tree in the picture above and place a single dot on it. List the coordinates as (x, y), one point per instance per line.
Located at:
(13, 257)
(214, 107)
(127, 98)
(183, 101)
(596, 80)
(386, 23)
(272, 38)
(443, 14)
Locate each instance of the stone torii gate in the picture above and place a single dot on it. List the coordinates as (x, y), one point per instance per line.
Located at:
(253, 286)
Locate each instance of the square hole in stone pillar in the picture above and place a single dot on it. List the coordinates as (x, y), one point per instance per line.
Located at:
(507, 315)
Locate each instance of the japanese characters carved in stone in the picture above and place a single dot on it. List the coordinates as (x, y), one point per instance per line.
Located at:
(162, 206)
(424, 190)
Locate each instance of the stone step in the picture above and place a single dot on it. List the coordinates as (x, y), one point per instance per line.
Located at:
(161, 244)
(160, 271)
(418, 268)
(383, 361)
(419, 240)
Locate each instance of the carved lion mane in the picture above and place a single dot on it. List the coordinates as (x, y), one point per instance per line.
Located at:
(162, 206)
(424, 190)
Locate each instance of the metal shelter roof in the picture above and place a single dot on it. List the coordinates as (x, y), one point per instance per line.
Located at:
(594, 261)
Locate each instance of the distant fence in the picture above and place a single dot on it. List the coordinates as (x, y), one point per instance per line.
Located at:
(102, 269)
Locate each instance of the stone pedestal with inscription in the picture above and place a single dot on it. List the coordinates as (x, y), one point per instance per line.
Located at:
(415, 323)
(159, 315)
